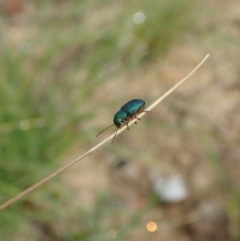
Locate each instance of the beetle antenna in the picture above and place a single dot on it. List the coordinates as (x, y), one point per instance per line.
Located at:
(114, 136)
(104, 130)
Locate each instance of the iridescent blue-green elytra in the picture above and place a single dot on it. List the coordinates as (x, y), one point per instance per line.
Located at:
(128, 112)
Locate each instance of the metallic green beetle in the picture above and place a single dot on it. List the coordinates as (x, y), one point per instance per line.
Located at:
(127, 112)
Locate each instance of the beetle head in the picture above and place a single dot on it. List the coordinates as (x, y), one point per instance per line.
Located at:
(119, 118)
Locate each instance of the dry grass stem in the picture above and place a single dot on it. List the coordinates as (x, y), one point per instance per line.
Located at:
(68, 165)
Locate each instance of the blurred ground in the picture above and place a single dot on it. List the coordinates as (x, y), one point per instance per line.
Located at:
(198, 137)
(193, 134)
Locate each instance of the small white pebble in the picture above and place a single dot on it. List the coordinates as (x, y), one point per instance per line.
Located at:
(171, 189)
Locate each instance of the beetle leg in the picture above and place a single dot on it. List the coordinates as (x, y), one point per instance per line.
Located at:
(126, 123)
(135, 117)
(139, 112)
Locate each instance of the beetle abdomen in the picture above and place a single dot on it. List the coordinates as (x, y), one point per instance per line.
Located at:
(134, 107)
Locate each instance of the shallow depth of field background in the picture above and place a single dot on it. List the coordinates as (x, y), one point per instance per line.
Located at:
(65, 69)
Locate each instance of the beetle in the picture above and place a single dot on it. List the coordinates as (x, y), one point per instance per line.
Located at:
(127, 112)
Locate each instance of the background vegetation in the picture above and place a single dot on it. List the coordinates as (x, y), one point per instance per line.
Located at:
(67, 66)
